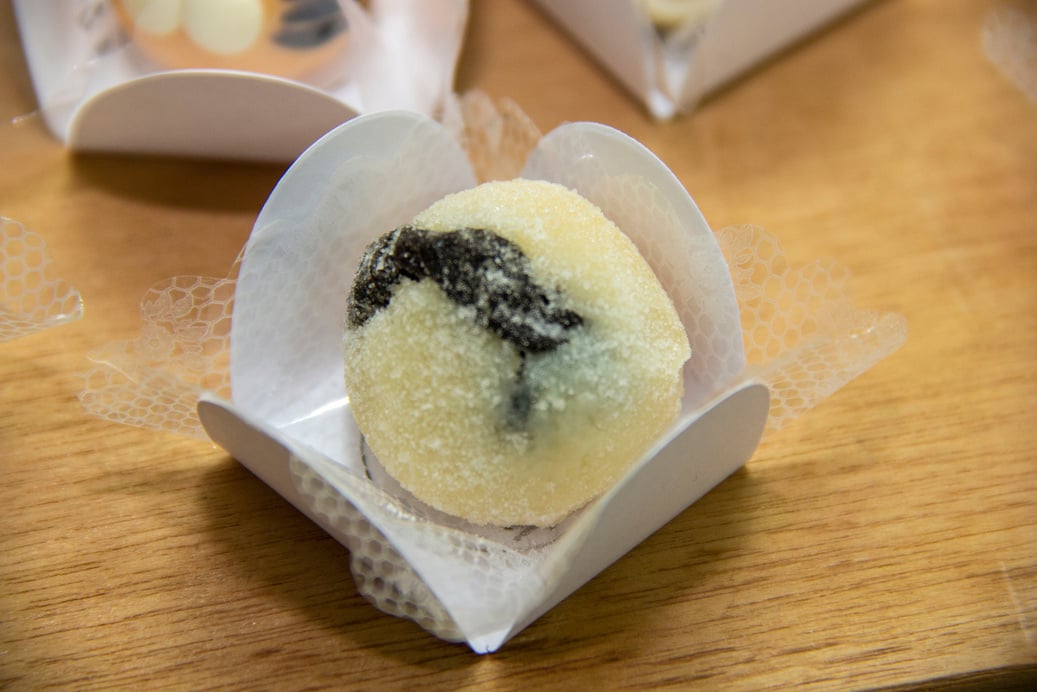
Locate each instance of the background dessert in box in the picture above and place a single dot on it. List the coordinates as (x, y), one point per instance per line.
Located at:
(296, 39)
(109, 76)
(671, 53)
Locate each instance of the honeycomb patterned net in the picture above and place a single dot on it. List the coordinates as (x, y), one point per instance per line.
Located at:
(685, 261)
(801, 333)
(711, 366)
(184, 349)
(710, 340)
(32, 297)
(489, 582)
(497, 135)
(802, 337)
(381, 574)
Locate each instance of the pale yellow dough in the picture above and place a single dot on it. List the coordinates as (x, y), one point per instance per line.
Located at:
(426, 384)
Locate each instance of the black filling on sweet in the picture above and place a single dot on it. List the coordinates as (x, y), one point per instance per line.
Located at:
(474, 268)
(520, 399)
(308, 24)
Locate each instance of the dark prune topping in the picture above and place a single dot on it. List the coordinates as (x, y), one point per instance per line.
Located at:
(473, 267)
(520, 399)
(307, 24)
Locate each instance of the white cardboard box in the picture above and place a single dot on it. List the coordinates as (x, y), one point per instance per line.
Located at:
(672, 74)
(96, 94)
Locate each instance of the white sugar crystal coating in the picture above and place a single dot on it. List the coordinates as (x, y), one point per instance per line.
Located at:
(429, 387)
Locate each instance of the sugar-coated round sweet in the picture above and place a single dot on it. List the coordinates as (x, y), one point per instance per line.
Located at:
(510, 354)
(287, 38)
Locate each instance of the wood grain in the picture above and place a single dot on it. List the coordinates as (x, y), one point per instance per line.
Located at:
(887, 538)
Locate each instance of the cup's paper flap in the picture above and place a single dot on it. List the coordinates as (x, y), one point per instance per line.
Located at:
(206, 113)
(670, 478)
(646, 200)
(252, 443)
(365, 178)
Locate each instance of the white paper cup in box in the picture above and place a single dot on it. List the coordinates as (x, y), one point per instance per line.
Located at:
(672, 53)
(289, 420)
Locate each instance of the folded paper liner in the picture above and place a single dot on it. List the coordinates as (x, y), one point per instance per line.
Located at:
(274, 394)
(32, 296)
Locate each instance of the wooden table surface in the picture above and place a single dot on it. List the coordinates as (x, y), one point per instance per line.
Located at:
(886, 538)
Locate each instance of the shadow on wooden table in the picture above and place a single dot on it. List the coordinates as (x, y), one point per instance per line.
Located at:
(302, 567)
(178, 182)
(630, 607)
(304, 570)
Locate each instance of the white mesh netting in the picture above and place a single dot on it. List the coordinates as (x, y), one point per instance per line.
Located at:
(32, 297)
(802, 337)
(801, 333)
(183, 350)
(497, 135)
(379, 571)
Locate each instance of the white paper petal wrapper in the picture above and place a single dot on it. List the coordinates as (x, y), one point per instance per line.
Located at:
(32, 296)
(288, 419)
